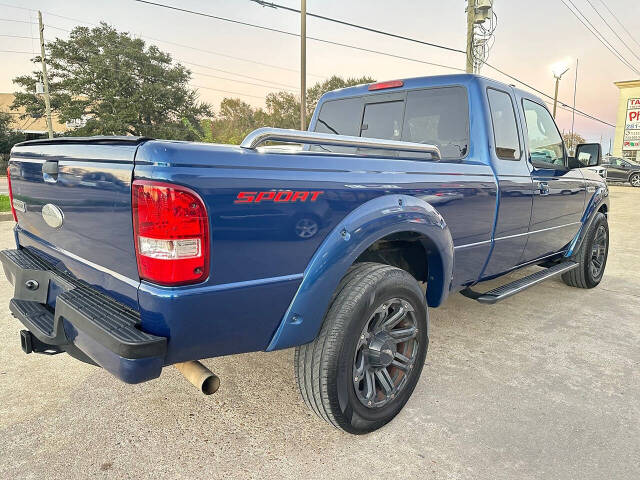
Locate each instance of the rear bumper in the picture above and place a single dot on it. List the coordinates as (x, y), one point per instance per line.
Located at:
(96, 324)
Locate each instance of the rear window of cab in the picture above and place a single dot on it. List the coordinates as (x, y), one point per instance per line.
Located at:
(437, 116)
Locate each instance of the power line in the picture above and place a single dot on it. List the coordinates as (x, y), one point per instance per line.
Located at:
(291, 34)
(349, 24)
(620, 23)
(597, 34)
(346, 45)
(239, 81)
(614, 32)
(15, 36)
(579, 112)
(273, 5)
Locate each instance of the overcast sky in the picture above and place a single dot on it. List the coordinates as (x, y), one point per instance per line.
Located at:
(530, 37)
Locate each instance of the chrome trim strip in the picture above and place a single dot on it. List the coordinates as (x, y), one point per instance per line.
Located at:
(468, 245)
(476, 244)
(538, 231)
(100, 268)
(262, 135)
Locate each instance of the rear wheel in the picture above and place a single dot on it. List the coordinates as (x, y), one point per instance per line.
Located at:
(592, 256)
(635, 179)
(365, 363)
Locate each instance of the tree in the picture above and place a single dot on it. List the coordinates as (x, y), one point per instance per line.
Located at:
(572, 140)
(8, 136)
(117, 84)
(314, 93)
(236, 118)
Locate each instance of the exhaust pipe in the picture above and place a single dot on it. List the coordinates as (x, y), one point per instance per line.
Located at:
(200, 376)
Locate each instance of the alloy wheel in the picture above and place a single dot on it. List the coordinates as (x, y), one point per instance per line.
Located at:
(386, 353)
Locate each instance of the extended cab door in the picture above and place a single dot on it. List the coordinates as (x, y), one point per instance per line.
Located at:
(558, 192)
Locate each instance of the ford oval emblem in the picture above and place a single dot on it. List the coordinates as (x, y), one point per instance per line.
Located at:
(52, 215)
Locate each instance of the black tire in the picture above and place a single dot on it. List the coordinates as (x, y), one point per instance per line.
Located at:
(634, 180)
(584, 275)
(324, 368)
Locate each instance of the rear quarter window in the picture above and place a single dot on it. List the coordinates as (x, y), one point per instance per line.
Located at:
(438, 116)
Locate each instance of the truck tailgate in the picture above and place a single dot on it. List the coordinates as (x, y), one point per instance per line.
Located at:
(73, 199)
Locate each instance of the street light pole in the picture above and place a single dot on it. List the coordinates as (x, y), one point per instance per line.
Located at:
(555, 97)
(558, 70)
(303, 64)
(573, 112)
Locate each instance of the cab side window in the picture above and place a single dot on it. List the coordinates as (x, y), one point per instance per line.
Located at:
(439, 116)
(545, 142)
(505, 129)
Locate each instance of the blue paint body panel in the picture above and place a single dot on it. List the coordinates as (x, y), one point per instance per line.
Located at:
(269, 288)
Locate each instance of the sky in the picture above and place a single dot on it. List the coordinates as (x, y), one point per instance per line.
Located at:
(529, 38)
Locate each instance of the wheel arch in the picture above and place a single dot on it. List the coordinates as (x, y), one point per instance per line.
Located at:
(395, 218)
(598, 203)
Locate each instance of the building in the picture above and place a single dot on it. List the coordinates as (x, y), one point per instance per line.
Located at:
(33, 127)
(627, 139)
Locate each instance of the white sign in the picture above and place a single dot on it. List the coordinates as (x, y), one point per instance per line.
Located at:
(631, 140)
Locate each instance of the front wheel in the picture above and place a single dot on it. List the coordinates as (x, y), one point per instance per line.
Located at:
(591, 257)
(366, 361)
(635, 179)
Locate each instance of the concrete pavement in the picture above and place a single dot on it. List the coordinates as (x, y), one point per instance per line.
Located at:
(545, 385)
(4, 188)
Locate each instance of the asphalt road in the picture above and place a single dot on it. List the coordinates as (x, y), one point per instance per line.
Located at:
(545, 385)
(4, 188)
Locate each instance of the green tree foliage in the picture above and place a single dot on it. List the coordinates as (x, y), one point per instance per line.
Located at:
(118, 84)
(236, 119)
(8, 136)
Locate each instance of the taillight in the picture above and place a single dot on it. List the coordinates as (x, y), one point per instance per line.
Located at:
(171, 233)
(13, 209)
(385, 85)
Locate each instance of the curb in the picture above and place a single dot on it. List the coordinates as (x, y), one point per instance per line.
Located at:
(6, 216)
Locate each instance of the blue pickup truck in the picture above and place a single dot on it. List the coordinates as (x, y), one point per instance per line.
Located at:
(134, 254)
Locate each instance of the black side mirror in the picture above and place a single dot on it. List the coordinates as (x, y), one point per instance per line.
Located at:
(589, 154)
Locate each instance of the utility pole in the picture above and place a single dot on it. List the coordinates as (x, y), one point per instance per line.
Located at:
(43, 60)
(303, 64)
(573, 112)
(471, 18)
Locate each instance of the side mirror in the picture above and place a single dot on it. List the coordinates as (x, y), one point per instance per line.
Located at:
(589, 154)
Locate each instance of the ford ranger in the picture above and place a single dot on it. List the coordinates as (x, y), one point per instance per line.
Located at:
(134, 254)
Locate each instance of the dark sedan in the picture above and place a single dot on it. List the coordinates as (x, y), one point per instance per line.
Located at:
(622, 170)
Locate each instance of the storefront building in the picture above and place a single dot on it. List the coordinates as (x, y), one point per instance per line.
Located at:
(627, 139)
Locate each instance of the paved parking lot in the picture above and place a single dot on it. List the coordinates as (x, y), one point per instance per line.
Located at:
(545, 385)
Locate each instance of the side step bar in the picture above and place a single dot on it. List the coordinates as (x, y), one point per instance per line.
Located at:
(517, 286)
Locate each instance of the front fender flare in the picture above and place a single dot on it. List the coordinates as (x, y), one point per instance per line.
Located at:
(600, 197)
(369, 222)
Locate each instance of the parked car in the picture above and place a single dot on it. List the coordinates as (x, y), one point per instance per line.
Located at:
(621, 170)
(171, 256)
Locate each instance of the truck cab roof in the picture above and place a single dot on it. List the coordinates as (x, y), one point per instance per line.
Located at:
(412, 83)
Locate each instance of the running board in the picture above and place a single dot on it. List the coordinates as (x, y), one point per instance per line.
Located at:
(517, 286)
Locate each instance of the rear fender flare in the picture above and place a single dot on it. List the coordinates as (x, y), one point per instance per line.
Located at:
(368, 223)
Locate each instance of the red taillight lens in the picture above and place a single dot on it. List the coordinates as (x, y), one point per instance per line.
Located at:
(385, 85)
(13, 209)
(171, 233)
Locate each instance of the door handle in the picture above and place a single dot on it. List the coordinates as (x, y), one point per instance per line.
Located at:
(544, 188)
(50, 171)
